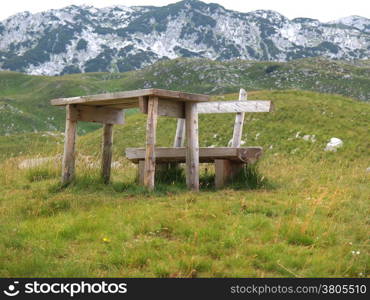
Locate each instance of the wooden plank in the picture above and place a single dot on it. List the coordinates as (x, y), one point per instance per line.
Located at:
(225, 170)
(249, 155)
(114, 103)
(143, 104)
(107, 152)
(166, 108)
(130, 96)
(180, 133)
(170, 108)
(181, 96)
(99, 114)
(151, 128)
(234, 106)
(222, 170)
(179, 140)
(94, 100)
(239, 121)
(68, 163)
(140, 169)
(206, 154)
(133, 104)
(192, 146)
(117, 97)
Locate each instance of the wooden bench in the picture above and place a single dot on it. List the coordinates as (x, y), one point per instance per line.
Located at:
(229, 161)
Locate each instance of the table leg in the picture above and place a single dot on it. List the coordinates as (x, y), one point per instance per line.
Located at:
(68, 164)
(107, 152)
(151, 128)
(192, 146)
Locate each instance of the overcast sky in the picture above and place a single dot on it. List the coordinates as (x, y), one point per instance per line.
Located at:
(324, 10)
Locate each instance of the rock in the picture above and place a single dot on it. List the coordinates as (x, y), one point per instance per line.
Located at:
(116, 165)
(309, 137)
(334, 144)
(36, 162)
(368, 170)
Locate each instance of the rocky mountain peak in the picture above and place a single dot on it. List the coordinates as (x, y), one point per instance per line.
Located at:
(119, 38)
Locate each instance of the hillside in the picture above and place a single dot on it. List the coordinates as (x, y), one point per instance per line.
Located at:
(24, 99)
(79, 39)
(303, 214)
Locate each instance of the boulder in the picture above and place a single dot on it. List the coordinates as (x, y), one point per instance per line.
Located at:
(334, 144)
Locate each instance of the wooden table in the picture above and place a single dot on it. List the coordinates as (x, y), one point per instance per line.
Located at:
(108, 109)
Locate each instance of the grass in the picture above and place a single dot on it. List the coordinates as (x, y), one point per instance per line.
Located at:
(306, 225)
(299, 213)
(29, 144)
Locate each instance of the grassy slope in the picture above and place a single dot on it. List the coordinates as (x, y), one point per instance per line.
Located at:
(24, 100)
(309, 212)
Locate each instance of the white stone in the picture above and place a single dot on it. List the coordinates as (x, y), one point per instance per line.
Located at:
(35, 162)
(116, 165)
(334, 144)
(309, 137)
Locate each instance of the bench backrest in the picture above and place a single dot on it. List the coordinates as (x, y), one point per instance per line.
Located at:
(239, 122)
(239, 107)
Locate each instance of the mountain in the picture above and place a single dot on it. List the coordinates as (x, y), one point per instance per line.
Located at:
(357, 22)
(86, 39)
(25, 107)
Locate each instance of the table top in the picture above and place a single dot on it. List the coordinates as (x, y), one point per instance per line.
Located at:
(129, 99)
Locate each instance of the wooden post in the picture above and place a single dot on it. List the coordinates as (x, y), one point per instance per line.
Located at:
(143, 104)
(225, 170)
(140, 169)
(239, 120)
(180, 134)
(192, 148)
(151, 128)
(107, 152)
(222, 172)
(68, 164)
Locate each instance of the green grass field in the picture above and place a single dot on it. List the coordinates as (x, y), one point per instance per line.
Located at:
(304, 212)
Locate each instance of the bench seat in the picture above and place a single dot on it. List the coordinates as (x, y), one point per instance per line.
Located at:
(206, 154)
